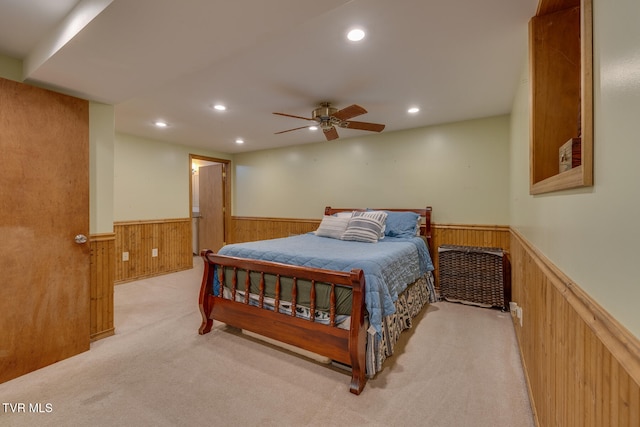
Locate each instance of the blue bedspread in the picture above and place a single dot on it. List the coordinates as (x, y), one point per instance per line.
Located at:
(388, 266)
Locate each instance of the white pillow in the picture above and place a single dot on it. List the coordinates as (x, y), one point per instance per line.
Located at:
(332, 226)
(344, 214)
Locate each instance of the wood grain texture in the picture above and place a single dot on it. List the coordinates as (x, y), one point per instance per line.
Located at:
(561, 74)
(102, 278)
(549, 6)
(555, 61)
(582, 366)
(44, 203)
(249, 229)
(211, 228)
(172, 238)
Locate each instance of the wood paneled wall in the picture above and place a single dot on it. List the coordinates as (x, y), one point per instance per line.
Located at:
(249, 229)
(245, 229)
(582, 366)
(101, 279)
(172, 238)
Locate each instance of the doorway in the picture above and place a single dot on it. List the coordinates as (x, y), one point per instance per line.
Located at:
(209, 199)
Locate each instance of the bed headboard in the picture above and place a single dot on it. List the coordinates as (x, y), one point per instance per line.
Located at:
(425, 214)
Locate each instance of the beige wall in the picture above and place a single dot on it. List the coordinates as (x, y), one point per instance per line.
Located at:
(151, 178)
(10, 68)
(592, 234)
(461, 169)
(101, 141)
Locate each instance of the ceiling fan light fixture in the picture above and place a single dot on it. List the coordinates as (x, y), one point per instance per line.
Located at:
(356, 34)
(329, 118)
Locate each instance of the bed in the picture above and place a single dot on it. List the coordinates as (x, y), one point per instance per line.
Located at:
(345, 291)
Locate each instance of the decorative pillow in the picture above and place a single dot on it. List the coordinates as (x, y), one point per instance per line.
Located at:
(332, 226)
(343, 214)
(365, 226)
(402, 224)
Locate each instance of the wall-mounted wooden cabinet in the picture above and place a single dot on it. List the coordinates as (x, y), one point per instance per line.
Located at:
(560, 54)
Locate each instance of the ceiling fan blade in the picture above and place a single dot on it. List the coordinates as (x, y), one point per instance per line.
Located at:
(289, 130)
(295, 117)
(374, 127)
(349, 112)
(331, 133)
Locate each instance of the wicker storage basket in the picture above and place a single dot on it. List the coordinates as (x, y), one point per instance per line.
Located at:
(479, 276)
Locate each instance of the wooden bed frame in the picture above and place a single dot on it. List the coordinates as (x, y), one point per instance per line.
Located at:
(344, 346)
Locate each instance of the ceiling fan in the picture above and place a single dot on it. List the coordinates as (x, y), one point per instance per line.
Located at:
(328, 117)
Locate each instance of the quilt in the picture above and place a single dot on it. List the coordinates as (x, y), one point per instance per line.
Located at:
(388, 265)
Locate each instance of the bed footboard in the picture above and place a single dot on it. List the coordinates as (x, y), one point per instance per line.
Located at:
(346, 346)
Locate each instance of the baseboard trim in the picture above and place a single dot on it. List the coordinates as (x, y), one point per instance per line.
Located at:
(103, 334)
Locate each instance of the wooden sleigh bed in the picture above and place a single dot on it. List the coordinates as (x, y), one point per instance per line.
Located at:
(320, 310)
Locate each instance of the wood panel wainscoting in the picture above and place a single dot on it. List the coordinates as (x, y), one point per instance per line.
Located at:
(171, 238)
(582, 366)
(245, 229)
(101, 282)
(249, 229)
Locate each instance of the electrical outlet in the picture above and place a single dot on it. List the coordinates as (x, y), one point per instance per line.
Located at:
(125, 256)
(154, 252)
(513, 307)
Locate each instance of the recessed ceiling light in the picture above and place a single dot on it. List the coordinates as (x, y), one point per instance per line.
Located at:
(239, 141)
(313, 127)
(219, 107)
(161, 124)
(413, 110)
(355, 35)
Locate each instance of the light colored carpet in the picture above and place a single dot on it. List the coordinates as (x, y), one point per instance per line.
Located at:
(458, 366)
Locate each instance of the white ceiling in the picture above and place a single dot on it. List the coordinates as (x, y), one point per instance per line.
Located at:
(172, 60)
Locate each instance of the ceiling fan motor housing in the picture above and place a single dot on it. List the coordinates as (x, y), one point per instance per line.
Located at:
(324, 115)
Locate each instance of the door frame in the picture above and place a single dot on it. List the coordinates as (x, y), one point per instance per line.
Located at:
(226, 194)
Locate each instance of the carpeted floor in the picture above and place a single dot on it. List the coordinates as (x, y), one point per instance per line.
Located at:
(458, 366)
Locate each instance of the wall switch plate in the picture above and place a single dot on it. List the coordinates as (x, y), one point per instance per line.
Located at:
(519, 314)
(125, 256)
(154, 252)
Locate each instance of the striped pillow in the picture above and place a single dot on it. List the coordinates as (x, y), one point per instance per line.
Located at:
(365, 226)
(332, 226)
